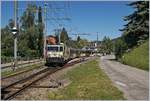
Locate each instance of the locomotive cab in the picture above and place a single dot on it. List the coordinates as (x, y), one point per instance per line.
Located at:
(55, 54)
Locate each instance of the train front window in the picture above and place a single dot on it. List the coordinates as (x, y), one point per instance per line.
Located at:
(61, 48)
(55, 49)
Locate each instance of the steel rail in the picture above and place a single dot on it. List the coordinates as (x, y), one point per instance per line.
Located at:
(20, 72)
(26, 86)
(24, 79)
(39, 78)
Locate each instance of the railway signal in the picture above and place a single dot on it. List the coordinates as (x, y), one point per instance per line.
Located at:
(14, 31)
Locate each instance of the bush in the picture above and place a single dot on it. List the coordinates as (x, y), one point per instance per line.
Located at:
(138, 57)
(120, 48)
(5, 59)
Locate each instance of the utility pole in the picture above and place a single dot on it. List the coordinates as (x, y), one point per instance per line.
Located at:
(60, 32)
(45, 13)
(97, 43)
(50, 18)
(15, 32)
(97, 39)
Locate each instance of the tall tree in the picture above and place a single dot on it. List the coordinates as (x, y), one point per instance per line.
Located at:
(64, 36)
(7, 41)
(120, 48)
(82, 43)
(78, 38)
(107, 45)
(40, 28)
(137, 28)
(29, 29)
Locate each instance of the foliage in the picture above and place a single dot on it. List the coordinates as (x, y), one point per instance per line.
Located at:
(30, 38)
(137, 28)
(72, 43)
(78, 38)
(120, 48)
(40, 29)
(79, 43)
(6, 59)
(87, 83)
(138, 57)
(107, 45)
(7, 42)
(64, 36)
(136, 31)
(82, 43)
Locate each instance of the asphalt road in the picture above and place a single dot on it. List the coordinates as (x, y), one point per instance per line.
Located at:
(133, 82)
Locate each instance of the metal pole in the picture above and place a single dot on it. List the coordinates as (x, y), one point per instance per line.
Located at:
(15, 38)
(97, 39)
(45, 12)
(59, 33)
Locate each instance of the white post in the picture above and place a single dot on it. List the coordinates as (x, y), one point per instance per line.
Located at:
(45, 12)
(15, 38)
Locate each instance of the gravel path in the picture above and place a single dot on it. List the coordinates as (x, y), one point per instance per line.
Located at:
(132, 81)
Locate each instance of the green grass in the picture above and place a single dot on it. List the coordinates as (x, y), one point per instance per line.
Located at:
(88, 81)
(11, 72)
(138, 57)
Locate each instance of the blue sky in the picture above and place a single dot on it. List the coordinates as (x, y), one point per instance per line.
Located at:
(104, 17)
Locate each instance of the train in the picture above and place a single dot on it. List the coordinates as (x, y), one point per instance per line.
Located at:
(60, 53)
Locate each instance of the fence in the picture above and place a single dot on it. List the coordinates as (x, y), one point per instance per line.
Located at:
(21, 63)
(5, 60)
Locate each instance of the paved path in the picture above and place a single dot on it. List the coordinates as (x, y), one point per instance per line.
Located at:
(132, 81)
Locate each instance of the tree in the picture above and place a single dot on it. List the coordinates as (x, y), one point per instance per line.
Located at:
(137, 28)
(82, 43)
(11, 23)
(120, 48)
(107, 46)
(30, 35)
(7, 42)
(78, 38)
(29, 29)
(64, 36)
(40, 28)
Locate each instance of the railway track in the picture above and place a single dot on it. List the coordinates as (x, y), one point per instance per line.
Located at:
(10, 91)
(19, 73)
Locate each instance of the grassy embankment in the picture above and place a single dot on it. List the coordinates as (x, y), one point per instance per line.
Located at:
(88, 81)
(138, 57)
(11, 72)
